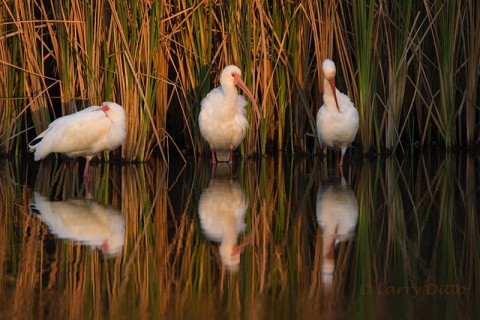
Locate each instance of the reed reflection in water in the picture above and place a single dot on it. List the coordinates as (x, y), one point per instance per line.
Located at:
(412, 249)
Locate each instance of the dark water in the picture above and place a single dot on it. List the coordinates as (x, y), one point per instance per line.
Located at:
(283, 238)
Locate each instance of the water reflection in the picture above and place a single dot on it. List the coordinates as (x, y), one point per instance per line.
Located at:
(221, 208)
(70, 210)
(83, 220)
(415, 250)
(337, 215)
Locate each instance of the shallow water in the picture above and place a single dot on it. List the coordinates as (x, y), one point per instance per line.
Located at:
(283, 237)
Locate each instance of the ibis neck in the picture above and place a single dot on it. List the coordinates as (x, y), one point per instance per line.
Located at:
(231, 99)
(328, 97)
(230, 91)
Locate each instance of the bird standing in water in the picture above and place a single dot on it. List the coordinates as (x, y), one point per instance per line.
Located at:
(85, 133)
(222, 119)
(337, 119)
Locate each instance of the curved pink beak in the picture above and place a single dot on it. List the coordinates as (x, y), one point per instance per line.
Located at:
(241, 84)
(332, 84)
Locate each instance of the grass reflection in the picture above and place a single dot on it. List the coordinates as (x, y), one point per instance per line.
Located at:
(414, 249)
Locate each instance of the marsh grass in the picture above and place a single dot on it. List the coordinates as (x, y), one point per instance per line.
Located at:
(471, 42)
(11, 122)
(367, 26)
(444, 19)
(34, 52)
(399, 30)
(159, 59)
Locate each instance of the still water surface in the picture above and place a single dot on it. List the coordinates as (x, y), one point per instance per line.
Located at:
(283, 238)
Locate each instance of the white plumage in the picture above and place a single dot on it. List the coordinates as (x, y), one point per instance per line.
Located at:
(86, 221)
(337, 119)
(222, 119)
(337, 215)
(221, 208)
(85, 133)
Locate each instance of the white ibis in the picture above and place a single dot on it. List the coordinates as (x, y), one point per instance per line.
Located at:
(221, 208)
(86, 221)
(337, 215)
(222, 117)
(84, 133)
(337, 119)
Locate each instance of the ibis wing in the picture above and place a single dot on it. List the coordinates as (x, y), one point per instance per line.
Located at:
(79, 134)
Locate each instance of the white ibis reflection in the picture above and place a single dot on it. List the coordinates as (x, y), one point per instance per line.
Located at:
(337, 215)
(222, 207)
(83, 220)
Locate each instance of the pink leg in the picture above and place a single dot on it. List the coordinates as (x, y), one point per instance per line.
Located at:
(214, 157)
(214, 164)
(87, 167)
(230, 158)
(230, 164)
(86, 184)
(104, 247)
(342, 155)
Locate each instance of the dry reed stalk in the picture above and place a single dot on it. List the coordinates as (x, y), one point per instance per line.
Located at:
(260, 69)
(471, 41)
(161, 58)
(93, 59)
(9, 124)
(133, 43)
(343, 44)
(77, 47)
(399, 32)
(444, 19)
(7, 193)
(34, 53)
(65, 43)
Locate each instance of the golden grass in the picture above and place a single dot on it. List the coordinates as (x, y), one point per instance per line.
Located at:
(159, 59)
